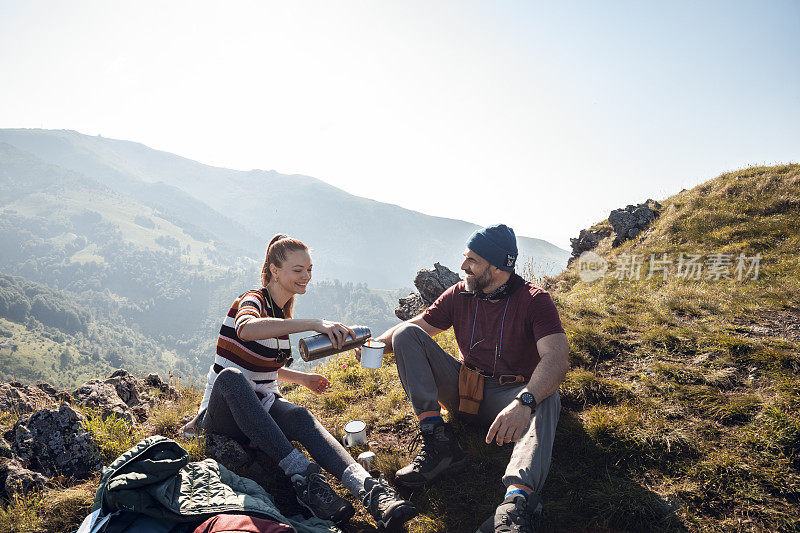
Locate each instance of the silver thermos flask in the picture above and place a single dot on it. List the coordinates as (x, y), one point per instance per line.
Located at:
(319, 346)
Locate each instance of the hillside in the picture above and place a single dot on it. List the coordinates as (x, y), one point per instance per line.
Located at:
(685, 392)
(680, 410)
(163, 282)
(257, 204)
(46, 336)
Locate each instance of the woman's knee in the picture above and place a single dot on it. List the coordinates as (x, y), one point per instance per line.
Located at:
(230, 377)
(303, 416)
(297, 422)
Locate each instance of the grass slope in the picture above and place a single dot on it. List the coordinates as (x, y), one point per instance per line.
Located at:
(680, 411)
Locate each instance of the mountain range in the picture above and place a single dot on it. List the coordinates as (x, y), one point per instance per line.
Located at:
(149, 249)
(353, 239)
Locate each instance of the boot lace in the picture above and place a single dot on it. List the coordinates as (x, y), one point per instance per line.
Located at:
(424, 442)
(519, 518)
(319, 489)
(381, 494)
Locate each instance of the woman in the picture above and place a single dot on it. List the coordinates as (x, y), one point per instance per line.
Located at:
(242, 399)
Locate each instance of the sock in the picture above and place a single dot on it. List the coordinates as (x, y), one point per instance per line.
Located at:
(515, 491)
(432, 419)
(294, 463)
(354, 478)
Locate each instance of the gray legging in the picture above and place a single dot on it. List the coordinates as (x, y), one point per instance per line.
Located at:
(234, 410)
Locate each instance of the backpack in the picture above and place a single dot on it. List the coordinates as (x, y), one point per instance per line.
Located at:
(239, 523)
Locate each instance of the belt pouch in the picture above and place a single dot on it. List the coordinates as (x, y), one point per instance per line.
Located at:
(470, 390)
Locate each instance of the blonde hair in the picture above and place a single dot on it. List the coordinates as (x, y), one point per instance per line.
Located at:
(277, 251)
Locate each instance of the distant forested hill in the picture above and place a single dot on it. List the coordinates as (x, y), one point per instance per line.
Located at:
(96, 279)
(342, 229)
(49, 335)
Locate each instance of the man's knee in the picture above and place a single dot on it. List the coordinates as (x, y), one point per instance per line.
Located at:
(405, 334)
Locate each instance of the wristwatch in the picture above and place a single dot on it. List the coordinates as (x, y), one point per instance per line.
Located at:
(526, 398)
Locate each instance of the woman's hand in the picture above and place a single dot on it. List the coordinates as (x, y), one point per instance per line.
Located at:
(336, 332)
(190, 429)
(316, 383)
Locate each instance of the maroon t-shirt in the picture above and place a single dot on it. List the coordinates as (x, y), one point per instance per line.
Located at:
(530, 315)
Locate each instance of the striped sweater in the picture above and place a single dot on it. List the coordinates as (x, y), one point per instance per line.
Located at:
(258, 360)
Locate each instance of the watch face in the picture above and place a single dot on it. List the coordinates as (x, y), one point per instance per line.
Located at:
(526, 398)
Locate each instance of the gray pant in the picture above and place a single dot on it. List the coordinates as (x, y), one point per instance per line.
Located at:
(234, 410)
(430, 375)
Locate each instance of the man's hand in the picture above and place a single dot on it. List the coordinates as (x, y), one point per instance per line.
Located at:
(510, 423)
(387, 349)
(316, 382)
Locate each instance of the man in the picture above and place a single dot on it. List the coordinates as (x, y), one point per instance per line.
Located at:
(513, 356)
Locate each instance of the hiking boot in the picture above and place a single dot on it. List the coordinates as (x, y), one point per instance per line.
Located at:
(385, 506)
(314, 493)
(440, 453)
(514, 515)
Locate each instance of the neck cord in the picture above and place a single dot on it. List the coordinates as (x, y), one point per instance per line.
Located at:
(499, 347)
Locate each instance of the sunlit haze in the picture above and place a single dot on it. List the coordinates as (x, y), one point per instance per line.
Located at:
(542, 115)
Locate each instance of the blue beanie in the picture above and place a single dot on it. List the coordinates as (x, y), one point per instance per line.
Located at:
(497, 244)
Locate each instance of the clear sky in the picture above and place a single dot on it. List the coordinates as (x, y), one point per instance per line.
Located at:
(545, 116)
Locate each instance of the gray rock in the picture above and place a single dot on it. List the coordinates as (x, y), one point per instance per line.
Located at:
(5, 449)
(15, 479)
(58, 395)
(432, 283)
(587, 240)
(410, 306)
(154, 381)
(632, 220)
(126, 387)
(103, 396)
(55, 441)
(23, 399)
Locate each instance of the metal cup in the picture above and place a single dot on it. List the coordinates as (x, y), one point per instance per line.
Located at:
(372, 354)
(367, 460)
(355, 433)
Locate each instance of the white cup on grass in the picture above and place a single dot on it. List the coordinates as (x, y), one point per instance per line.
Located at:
(355, 433)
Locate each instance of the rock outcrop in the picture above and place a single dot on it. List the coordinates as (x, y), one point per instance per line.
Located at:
(55, 441)
(15, 479)
(24, 399)
(430, 283)
(626, 223)
(49, 436)
(632, 220)
(123, 395)
(102, 396)
(410, 306)
(588, 239)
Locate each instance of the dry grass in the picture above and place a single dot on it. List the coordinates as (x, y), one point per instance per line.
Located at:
(681, 408)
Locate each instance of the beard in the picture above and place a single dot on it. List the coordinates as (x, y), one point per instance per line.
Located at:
(478, 283)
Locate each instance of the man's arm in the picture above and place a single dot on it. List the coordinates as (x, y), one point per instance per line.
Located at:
(553, 367)
(511, 422)
(386, 336)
